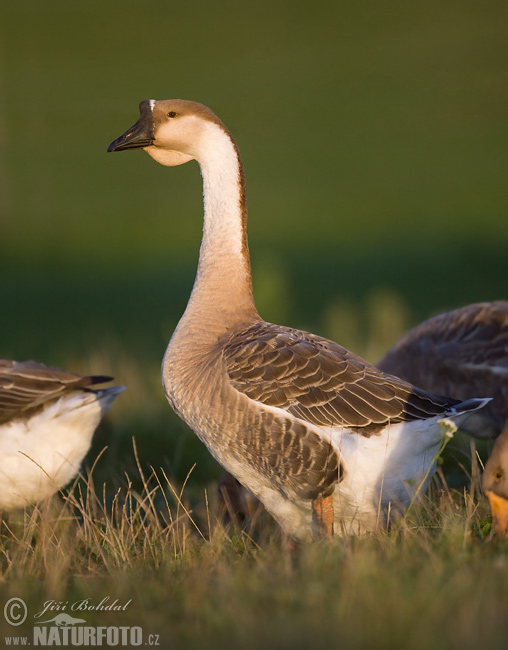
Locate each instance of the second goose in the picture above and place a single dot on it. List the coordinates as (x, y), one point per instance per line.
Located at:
(47, 420)
(325, 440)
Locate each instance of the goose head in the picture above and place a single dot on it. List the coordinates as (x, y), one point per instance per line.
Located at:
(171, 131)
(495, 483)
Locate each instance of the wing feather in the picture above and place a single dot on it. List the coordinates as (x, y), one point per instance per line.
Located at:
(27, 386)
(321, 382)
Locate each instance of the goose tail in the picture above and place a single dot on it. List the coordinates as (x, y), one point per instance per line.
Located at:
(471, 404)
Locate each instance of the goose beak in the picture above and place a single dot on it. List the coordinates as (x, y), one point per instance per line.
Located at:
(499, 507)
(138, 136)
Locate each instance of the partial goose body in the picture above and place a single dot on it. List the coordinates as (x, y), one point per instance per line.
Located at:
(321, 437)
(47, 421)
(461, 353)
(495, 483)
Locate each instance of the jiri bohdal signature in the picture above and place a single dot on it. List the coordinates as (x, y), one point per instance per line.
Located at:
(85, 605)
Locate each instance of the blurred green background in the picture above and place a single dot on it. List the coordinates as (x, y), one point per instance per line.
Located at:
(375, 143)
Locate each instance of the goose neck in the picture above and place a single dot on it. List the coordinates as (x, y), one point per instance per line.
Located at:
(222, 292)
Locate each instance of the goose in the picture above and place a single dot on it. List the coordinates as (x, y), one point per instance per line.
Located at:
(324, 440)
(495, 483)
(47, 420)
(460, 353)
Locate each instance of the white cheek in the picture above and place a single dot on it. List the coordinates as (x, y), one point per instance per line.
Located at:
(182, 134)
(168, 157)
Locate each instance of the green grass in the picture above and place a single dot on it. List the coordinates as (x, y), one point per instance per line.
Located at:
(437, 579)
(373, 138)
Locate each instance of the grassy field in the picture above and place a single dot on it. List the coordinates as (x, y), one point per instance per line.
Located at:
(375, 143)
(436, 580)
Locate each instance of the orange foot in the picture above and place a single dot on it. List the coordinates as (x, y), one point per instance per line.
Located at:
(322, 517)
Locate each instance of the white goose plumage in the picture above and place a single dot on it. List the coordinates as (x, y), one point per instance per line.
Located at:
(47, 421)
(321, 437)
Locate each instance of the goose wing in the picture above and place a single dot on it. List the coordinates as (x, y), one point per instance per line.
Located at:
(476, 334)
(472, 337)
(321, 382)
(462, 353)
(26, 386)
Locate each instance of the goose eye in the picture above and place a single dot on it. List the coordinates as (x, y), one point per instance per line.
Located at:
(171, 114)
(499, 474)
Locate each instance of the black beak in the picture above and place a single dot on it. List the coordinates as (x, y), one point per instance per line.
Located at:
(138, 136)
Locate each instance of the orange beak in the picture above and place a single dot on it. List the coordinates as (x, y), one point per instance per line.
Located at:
(499, 507)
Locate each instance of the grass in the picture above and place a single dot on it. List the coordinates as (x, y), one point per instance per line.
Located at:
(411, 587)
(160, 549)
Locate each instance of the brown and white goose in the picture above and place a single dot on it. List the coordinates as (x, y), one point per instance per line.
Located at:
(495, 483)
(321, 437)
(461, 353)
(47, 421)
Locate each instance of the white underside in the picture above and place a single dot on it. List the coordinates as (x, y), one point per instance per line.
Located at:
(41, 454)
(381, 475)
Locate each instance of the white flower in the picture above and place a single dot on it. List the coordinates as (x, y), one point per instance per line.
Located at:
(448, 427)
